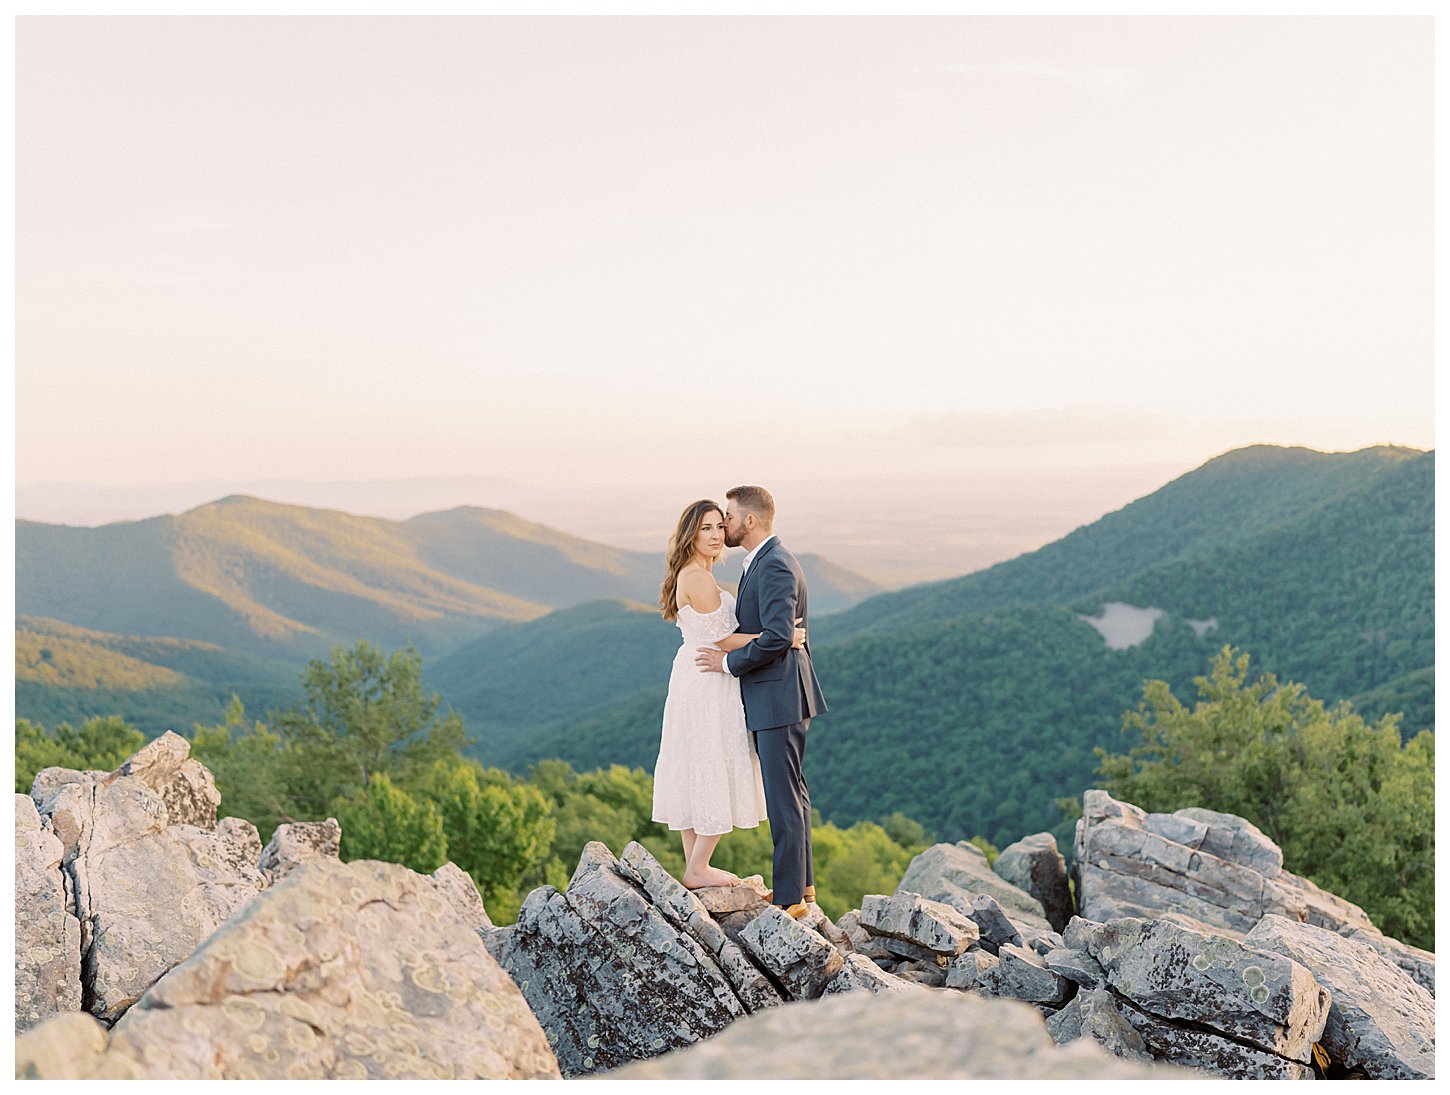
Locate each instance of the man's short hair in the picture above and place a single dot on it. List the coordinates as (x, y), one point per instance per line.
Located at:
(757, 500)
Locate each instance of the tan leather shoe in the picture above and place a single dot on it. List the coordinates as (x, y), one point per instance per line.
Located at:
(799, 911)
(809, 895)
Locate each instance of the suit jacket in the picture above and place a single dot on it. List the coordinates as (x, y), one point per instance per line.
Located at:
(777, 682)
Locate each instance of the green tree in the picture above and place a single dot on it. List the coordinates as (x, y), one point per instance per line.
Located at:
(254, 769)
(382, 821)
(497, 828)
(1350, 805)
(101, 744)
(366, 712)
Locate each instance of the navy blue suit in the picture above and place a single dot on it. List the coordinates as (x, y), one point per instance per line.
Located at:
(781, 695)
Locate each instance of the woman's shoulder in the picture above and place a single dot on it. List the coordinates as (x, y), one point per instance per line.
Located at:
(693, 577)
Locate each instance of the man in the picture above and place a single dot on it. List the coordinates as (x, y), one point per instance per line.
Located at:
(778, 686)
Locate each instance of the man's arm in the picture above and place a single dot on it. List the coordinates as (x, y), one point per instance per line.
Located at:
(777, 618)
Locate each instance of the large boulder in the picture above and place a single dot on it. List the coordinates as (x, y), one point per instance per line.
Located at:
(1023, 975)
(185, 785)
(297, 844)
(1253, 996)
(1419, 964)
(685, 910)
(913, 1035)
(1380, 1021)
(800, 959)
(148, 888)
(611, 977)
(1189, 1046)
(932, 926)
(960, 871)
(1034, 865)
(47, 934)
(1097, 1014)
(348, 971)
(1198, 868)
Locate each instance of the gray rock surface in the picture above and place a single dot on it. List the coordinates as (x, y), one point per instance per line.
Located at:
(1097, 1014)
(860, 974)
(1022, 975)
(1197, 868)
(298, 844)
(961, 870)
(801, 960)
(685, 910)
(994, 928)
(967, 970)
(1193, 1047)
(1034, 865)
(1419, 964)
(1248, 994)
(346, 971)
(1078, 967)
(609, 976)
(147, 891)
(931, 925)
(47, 934)
(1380, 1021)
(1065, 1024)
(850, 926)
(1049, 941)
(914, 1035)
(919, 973)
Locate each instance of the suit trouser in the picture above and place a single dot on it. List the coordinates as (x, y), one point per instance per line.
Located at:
(788, 800)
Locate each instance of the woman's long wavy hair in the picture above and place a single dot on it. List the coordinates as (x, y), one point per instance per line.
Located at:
(682, 550)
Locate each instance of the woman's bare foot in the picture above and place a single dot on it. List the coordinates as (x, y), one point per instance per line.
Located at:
(708, 876)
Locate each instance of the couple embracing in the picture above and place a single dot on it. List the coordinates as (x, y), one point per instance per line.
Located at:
(742, 694)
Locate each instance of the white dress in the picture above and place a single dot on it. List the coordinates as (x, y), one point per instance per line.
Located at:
(707, 777)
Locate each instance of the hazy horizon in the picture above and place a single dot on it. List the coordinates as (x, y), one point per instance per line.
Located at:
(866, 526)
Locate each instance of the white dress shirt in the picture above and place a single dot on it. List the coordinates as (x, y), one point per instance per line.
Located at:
(744, 566)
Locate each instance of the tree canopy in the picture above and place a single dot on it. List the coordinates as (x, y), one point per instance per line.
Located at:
(1350, 803)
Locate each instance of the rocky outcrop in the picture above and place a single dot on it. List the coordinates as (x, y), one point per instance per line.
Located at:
(1155, 990)
(298, 844)
(1419, 964)
(928, 925)
(1035, 866)
(286, 962)
(349, 971)
(147, 888)
(47, 934)
(608, 974)
(945, 872)
(683, 909)
(916, 1035)
(1381, 1023)
(1021, 974)
(1254, 996)
(1199, 868)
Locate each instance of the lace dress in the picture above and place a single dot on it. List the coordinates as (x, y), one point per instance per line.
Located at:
(707, 777)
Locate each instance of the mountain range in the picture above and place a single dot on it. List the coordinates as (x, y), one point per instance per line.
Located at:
(1318, 564)
(159, 618)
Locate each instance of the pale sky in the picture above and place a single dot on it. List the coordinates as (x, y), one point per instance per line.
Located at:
(577, 251)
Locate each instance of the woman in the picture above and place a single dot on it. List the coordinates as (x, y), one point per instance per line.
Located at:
(707, 778)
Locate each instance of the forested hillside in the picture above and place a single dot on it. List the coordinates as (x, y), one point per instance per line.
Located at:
(974, 724)
(1241, 493)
